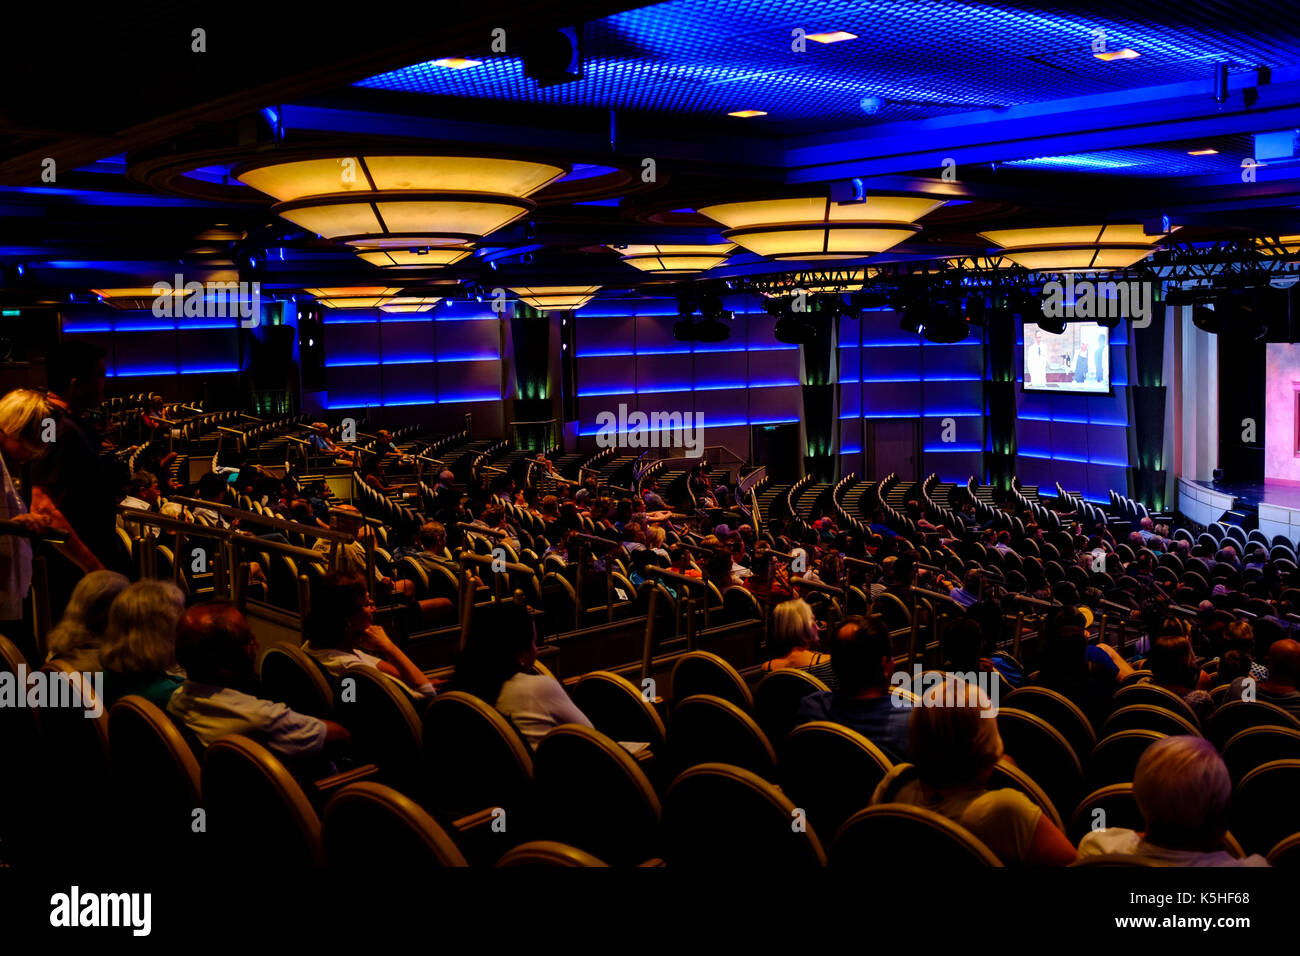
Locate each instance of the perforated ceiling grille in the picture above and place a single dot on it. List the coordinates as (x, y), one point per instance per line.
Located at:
(923, 57)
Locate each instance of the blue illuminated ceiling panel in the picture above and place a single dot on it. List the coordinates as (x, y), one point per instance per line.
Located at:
(921, 57)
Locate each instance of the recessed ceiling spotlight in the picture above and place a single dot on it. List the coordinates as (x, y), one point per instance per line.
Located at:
(1202, 152)
(457, 63)
(748, 114)
(834, 36)
(1124, 54)
(871, 105)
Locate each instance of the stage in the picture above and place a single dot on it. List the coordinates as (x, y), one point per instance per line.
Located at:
(1275, 506)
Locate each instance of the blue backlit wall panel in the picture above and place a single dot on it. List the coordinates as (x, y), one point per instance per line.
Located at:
(1080, 441)
(433, 366)
(626, 353)
(887, 374)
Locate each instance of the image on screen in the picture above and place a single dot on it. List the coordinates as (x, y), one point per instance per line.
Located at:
(1076, 360)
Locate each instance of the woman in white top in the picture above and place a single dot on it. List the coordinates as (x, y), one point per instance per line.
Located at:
(498, 666)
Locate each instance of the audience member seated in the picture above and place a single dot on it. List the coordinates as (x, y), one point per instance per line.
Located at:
(352, 554)
(1183, 790)
(794, 639)
(1173, 667)
(218, 697)
(497, 666)
(341, 633)
(139, 646)
(322, 444)
(955, 744)
(76, 639)
(862, 662)
(1280, 688)
(1065, 668)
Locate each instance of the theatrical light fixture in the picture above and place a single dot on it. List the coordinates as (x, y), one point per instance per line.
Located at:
(555, 298)
(137, 298)
(1075, 248)
(353, 297)
(428, 200)
(817, 227)
(664, 258)
(405, 254)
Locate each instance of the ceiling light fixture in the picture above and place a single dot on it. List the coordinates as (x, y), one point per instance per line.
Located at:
(457, 62)
(410, 303)
(406, 254)
(138, 298)
(431, 200)
(835, 36)
(748, 114)
(354, 297)
(665, 258)
(1075, 248)
(1124, 54)
(555, 298)
(817, 227)
(1202, 152)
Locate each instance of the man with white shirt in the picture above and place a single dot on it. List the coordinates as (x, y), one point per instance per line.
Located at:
(1036, 360)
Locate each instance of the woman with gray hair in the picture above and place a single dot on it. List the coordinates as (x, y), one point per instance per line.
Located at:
(1183, 790)
(76, 638)
(955, 744)
(139, 648)
(794, 639)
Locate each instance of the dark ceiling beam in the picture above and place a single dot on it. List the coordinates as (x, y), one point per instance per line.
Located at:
(1128, 118)
(128, 78)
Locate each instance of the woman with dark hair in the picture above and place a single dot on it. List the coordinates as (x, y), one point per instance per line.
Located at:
(498, 666)
(1174, 667)
(341, 634)
(1065, 668)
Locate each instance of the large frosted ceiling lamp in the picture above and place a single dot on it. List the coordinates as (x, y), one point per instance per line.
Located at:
(409, 254)
(816, 227)
(353, 297)
(140, 298)
(411, 303)
(556, 298)
(677, 258)
(437, 200)
(1075, 248)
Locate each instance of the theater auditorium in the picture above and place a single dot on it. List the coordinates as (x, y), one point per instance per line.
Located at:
(706, 434)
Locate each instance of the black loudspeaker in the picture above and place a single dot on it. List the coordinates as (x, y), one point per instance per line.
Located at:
(569, 367)
(311, 350)
(272, 366)
(777, 447)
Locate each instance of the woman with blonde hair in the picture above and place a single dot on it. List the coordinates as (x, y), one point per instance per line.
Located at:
(76, 639)
(955, 745)
(139, 647)
(793, 641)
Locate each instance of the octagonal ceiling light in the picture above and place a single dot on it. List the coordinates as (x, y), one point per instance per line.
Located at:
(140, 298)
(353, 297)
(409, 253)
(675, 258)
(1075, 248)
(437, 200)
(411, 303)
(553, 298)
(1278, 245)
(817, 227)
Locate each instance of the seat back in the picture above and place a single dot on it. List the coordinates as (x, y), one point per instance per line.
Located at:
(1147, 717)
(472, 758)
(375, 833)
(1156, 696)
(758, 829)
(1059, 711)
(702, 672)
(1237, 715)
(257, 814)
(1007, 776)
(777, 699)
(708, 729)
(902, 835)
(1263, 805)
(591, 794)
(290, 676)
(1256, 746)
(1110, 806)
(1116, 756)
(831, 771)
(547, 854)
(618, 709)
(1043, 753)
(379, 714)
(155, 773)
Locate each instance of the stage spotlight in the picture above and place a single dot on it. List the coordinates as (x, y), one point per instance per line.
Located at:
(947, 323)
(1050, 325)
(684, 331)
(711, 330)
(553, 56)
(976, 310)
(792, 331)
(711, 307)
(914, 317)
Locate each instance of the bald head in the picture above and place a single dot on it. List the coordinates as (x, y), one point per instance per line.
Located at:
(1284, 662)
